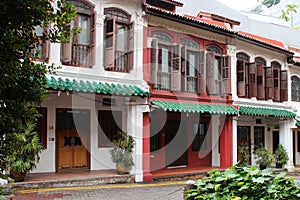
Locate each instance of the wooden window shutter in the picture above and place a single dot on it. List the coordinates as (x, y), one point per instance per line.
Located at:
(154, 62)
(276, 83)
(130, 53)
(269, 83)
(201, 73)
(109, 41)
(92, 41)
(225, 85)
(175, 69)
(210, 65)
(241, 78)
(46, 46)
(252, 80)
(260, 81)
(66, 56)
(283, 86)
(183, 68)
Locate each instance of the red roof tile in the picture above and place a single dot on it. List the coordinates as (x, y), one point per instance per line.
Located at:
(192, 18)
(210, 21)
(263, 39)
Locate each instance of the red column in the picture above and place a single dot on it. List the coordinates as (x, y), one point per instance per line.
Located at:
(147, 177)
(226, 144)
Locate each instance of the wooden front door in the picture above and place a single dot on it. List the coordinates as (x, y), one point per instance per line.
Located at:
(243, 137)
(176, 143)
(72, 139)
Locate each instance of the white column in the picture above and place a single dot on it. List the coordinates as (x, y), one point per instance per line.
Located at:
(135, 128)
(234, 140)
(286, 139)
(215, 122)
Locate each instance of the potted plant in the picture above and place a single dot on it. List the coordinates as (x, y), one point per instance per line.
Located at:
(281, 156)
(25, 149)
(243, 154)
(121, 154)
(264, 157)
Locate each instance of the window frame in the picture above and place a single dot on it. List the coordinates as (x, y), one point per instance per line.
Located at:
(295, 83)
(114, 59)
(199, 138)
(105, 138)
(41, 127)
(75, 53)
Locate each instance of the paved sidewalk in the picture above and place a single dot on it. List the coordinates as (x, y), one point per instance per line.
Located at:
(153, 191)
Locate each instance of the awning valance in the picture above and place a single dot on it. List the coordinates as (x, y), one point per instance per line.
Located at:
(298, 123)
(58, 83)
(271, 112)
(195, 108)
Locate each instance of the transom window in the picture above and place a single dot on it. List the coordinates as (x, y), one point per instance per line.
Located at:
(162, 36)
(119, 41)
(214, 48)
(295, 88)
(190, 43)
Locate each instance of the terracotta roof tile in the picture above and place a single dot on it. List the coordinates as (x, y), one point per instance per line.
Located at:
(191, 18)
(263, 39)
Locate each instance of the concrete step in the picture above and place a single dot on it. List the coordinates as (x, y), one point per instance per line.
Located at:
(75, 182)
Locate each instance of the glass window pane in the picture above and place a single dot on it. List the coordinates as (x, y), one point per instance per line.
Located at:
(165, 60)
(83, 23)
(121, 38)
(192, 64)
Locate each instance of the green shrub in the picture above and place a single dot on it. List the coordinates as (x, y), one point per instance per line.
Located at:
(244, 183)
(244, 155)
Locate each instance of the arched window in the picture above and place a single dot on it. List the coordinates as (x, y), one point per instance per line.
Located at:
(274, 73)
(80, 50)
(260, 64)
(162, 36)
(214, 70)
(295, 88)
(118, 40)
(189, 43)
(243, 56)
(214, 48)
(242, 64)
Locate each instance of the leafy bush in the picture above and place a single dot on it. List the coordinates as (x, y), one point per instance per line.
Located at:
(244, 155)
(264, 156)
(281, 155)
(244, 183)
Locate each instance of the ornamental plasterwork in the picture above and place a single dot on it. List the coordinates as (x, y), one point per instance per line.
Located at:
(231, 50)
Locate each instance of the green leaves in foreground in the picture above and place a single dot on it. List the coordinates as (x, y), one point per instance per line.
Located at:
(244, 183)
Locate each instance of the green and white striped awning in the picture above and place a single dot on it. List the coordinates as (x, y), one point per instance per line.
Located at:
(195, 108)
(66, 84)
(266, 112)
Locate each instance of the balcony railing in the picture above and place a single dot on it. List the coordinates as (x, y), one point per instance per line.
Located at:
(81, 55)
(163, 81)
(191, 84)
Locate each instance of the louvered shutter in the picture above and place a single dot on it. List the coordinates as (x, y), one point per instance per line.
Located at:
(130, 53)
(269, 83)
(225, 85)
(241, 82)
(154, 62)
(252, 80)
(260, 81)
(109, 47)
(210, 58)
(276, 83)
(284, 85)
(183, 69)
(92, 41)
(175, 69)
(66, 56)
(201, 73)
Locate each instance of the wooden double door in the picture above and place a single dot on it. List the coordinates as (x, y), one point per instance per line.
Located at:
(72, 141)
